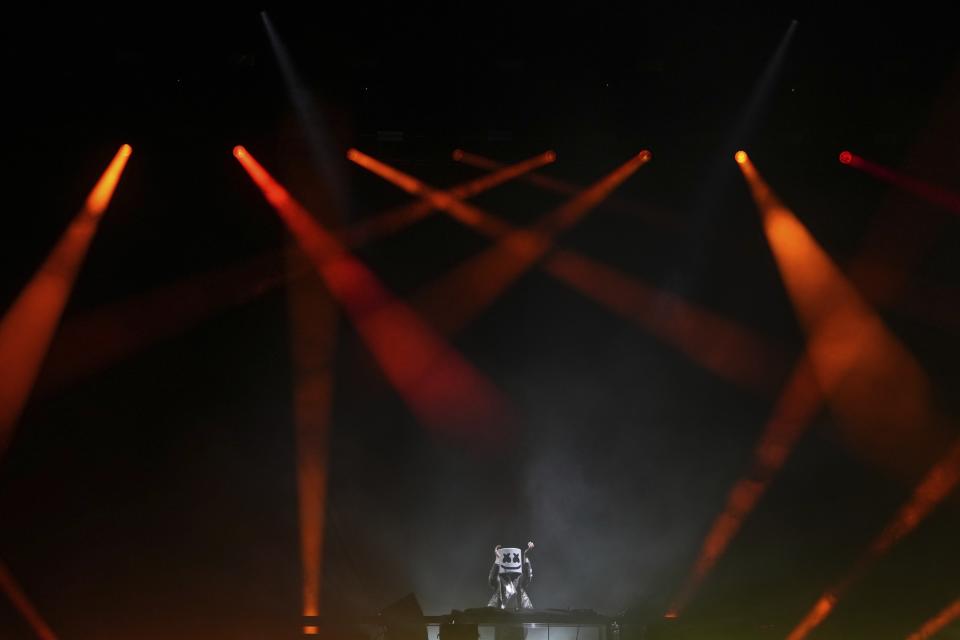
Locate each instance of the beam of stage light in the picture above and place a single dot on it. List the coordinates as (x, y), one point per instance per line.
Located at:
(938, 623)
(933, 194)
(762, 88)
(315, 130)
(439, 386)
(798, 403)
(871, 381)
(28, 326)
(549, 183)
(715, 343)
(849, 356)
(938, 483)
(311, 307)
(476, 283)
(313, 317)
(22, 604)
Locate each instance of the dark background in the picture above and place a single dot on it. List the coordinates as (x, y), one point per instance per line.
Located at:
(156, 498)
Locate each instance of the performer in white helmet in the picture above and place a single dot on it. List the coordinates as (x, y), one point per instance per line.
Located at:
(509, 576)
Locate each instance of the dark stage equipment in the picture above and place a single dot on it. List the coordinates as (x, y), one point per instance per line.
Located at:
(452, 631)
(403, 620)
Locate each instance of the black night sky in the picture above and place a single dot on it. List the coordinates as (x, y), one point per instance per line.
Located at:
(150, 488)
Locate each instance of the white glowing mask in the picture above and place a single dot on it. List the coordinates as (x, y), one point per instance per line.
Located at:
(509, 560)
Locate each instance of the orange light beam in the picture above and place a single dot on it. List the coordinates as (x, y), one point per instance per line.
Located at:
(476, 283)
(938, 483)
(937, 623)
(871, 381)
(366, 230)
(850, 355)
(22, 603)
(818, 614)
(28, 326)
(933, 194)
(797, 404)
(439, 386)
(716, 343)
(561, 187)
(865, 373)
(313, 318)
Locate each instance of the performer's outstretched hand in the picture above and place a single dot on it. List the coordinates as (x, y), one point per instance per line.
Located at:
(529, 545)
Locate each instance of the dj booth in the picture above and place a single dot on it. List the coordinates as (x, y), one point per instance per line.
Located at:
(488, 623)
(531, 624)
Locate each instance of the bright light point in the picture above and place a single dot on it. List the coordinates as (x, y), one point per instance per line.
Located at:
(311, 631)
(671, 615)
(239, 151)
(645, 155)
(846, 157)
(353, 154)
(740, 157)
(551, 155)
(458, 154)
(100, 196)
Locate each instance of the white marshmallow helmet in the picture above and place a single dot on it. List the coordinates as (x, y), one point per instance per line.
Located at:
(509, 560)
